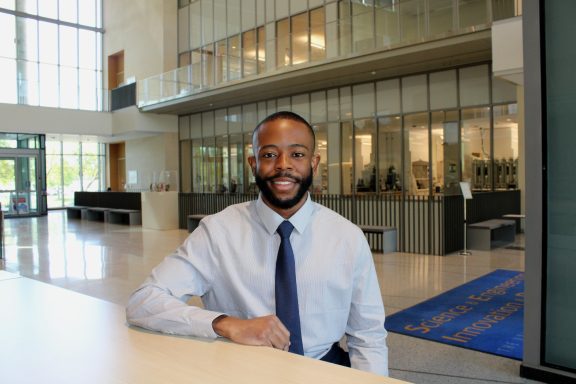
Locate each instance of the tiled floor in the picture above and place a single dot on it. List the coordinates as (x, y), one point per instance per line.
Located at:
(108, 261)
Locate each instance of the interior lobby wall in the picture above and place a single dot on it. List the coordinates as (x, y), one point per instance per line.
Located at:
(146, 31)
(148, 157)
(29, 119)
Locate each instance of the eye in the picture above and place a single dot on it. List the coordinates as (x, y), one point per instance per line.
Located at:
(268, 155)
(298, 154)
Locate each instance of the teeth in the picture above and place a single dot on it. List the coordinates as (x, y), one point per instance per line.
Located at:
(282, 182)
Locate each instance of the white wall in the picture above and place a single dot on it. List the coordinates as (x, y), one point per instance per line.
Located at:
(152, 155)
(27, 119)
(146, 30)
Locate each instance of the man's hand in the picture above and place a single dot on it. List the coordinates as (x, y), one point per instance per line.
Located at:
(267, 331)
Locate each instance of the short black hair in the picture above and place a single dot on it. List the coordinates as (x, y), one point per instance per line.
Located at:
(287, 115)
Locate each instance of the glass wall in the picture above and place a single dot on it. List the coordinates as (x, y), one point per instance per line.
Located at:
(419, 135)
(50, 53)
(73, 166)
(235, 40)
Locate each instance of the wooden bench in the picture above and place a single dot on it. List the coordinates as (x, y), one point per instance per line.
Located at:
(489, 234)
(389, 236)
(194, 221)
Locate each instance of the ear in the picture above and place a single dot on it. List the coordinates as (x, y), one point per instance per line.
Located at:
(252, 163)
(314, 163)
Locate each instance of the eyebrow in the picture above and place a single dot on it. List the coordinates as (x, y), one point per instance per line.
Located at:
(267, 146)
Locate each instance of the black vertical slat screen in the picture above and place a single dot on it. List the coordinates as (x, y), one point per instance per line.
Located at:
(430, 224)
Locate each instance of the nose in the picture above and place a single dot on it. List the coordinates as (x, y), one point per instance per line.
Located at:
(283, 161)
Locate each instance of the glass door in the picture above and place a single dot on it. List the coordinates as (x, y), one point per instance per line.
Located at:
(18, 185)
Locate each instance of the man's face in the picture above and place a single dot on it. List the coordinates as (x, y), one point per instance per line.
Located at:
(284, 164)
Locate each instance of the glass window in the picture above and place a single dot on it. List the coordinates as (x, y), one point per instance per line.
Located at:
(236, 163)
(186, 166)
(476, 159)
(388, 97)
(8, 78)
(283, 53)
(48, 85)
(209, 159)
(412, 20)
(363, 100)
(301, 105)
(346, 159)
(506, 146)
(48, 8)
(320, 184)
(445, 152)
(365, 145)
(219, 19)
(334, 158)
(417, 172)
(250, 58)
(389, 153)
(8, 34)
(221, 158)
(333, 105)
(48, 44)
(261, 49)
(443, 90)
(68, 10)
(317, 35)
(441, 18)
(221, 61)
(250, 117)
(87, 49)
(248, 14)
(207, 21)
(345, 27)
(249, 179)
(220, 124)
(503, 91)
(197, 166)
(234, 12)
(195, 25)
(387, 25)
(235, 120)
(208, 65)
(345, 103)
(362, 27)
(474, 85)
(87, 10)
(300, 42)
(473, 13)
(318, 107)
(414, 93)
(332, 27)
(68, 88)
(234, 58)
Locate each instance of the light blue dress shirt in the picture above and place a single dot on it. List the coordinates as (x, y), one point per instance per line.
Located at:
(229, 261)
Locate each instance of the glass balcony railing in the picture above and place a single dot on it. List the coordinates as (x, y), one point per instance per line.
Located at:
(366, 29)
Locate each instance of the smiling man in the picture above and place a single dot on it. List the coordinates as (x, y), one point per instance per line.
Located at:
(280, 271)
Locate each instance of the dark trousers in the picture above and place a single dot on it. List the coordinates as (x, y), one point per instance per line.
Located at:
(336, 355)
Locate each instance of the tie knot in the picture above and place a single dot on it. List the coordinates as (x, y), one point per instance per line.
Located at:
(285, 229)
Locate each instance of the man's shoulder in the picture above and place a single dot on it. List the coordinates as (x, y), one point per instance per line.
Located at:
(332, 218)
(231, 213)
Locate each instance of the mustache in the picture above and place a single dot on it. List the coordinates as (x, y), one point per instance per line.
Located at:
(285, 175)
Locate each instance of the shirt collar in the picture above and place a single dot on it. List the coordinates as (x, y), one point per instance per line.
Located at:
(272, 220)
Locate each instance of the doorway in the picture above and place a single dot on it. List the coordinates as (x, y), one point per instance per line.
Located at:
(19, 180)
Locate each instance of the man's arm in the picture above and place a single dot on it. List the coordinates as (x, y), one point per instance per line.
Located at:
(153, 308)
(366, 335)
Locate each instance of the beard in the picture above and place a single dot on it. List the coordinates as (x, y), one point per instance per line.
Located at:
(304, 185)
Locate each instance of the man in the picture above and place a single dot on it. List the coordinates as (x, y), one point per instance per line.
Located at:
(230, 261)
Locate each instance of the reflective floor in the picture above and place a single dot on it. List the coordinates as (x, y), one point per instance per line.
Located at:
(109, 261)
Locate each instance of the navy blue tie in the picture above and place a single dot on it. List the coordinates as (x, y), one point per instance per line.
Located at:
(286, 291)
